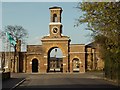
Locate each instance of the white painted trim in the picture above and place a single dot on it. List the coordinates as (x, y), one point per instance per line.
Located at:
(33, 53)
(92, 52)
(76, 69)
(56, 9)
(48, 35)
(64, 63)
(58, 39)
(57, 69)
(59, 42)
(30, 62)
(45, 56)
(75, 45)
(45, 64)
(77, 52)
(55, 23)
(62, 35)
(51, 69)
(6, 67)
(63, 56)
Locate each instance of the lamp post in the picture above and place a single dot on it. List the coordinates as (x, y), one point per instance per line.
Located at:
(55, 52)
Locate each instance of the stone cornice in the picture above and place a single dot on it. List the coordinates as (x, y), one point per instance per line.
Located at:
(77, 52)
(33, 53)
(55, 39)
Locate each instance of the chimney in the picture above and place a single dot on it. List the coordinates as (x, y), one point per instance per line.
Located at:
(18, 46)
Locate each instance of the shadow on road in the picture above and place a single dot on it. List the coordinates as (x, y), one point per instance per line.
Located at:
(58, 81)
(10, 83)
(75, 86)
(81, 84)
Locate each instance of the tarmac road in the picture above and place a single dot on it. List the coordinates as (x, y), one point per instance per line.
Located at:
(83, 81)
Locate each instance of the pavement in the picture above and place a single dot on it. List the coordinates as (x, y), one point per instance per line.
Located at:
(18, 78)
(12, 82)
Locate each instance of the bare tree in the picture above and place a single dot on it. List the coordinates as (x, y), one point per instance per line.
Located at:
(17, 33)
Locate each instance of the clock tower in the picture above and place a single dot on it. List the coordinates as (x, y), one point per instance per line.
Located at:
(55, 39)
(55, 25)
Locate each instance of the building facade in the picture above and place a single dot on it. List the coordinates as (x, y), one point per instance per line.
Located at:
(75, 57)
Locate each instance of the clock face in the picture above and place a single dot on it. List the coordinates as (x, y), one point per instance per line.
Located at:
(55, 30)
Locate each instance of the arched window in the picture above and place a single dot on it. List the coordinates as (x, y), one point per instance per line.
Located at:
(76, 64)
(55, 18)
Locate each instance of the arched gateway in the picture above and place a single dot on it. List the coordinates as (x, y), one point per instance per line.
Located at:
(55, 60)
(54, 40)
(37, 58)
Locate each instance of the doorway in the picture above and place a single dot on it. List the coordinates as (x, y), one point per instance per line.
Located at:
(34, 65)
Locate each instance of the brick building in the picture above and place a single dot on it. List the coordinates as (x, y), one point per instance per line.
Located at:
(75, 57)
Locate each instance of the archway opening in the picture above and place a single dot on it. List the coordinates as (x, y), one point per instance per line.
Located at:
(34, 65)
(55, 60)
(55, 18)
(76, 65)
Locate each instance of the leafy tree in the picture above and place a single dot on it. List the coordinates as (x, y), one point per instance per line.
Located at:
(103, 19)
